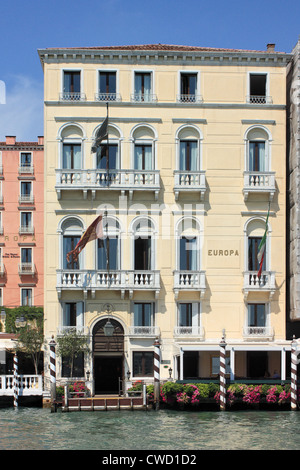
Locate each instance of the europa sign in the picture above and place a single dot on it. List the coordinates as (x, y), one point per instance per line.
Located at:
(223, 252)
(223, 255)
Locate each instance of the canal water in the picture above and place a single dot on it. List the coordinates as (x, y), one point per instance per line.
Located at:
(161, 430)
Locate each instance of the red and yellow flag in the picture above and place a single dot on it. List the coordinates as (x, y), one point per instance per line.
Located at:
(94, 231)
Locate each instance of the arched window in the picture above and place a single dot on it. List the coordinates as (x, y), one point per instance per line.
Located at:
(255, 230)
(257, 150)
(108, 154)
(71, 150)
(72, 230)
(143, 148)
(188, 237)
(109, 248)
(188, 145)
(144, 234)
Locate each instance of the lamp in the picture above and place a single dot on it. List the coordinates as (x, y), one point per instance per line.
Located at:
(88, 375)
(20, 321)
(108, 328)
(3, 315)
(128, 374)
(170, 372)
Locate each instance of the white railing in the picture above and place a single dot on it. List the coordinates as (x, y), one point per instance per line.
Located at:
(189, 331)
(143, 98)
(26, 229)
(26, 169)
(191, 280)
(259, 182)
(265, 282)
(27, 385)
(259, 99)
(258, 332)
(189, 181)
(95, 179)
(108, 97)
(26, 268)
(26, 198)
(117, 279)
(189, 98)
(143, 331)
(72, 96)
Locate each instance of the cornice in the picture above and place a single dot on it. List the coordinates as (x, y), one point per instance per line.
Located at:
(195, 57)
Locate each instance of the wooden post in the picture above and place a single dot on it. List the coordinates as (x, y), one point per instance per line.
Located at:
(156, 373)
(52, 345)
(294, 374)
(222, 375)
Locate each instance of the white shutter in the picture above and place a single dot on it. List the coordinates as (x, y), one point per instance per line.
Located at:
(79, 314)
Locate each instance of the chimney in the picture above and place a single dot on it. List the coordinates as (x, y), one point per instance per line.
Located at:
(10, 139)
(270, 47)
(40, 139)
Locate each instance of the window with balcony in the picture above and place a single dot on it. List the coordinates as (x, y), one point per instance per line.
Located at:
(108, 248)
(107, 157)
(26, 165)
(253, 250)
(71, 86)
(143, 362)
(143, 318)
(72, 316)
(189, 88)
(107, 86)
(26, 222)
(71, 233)
(26, 195)
(188, 321)
(257, 323)
(26, 297)
(143, 87)
(143, 246)
(71, 158)
(258, 88)
(26, 261)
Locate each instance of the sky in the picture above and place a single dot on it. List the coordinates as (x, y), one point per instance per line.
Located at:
(26, 26)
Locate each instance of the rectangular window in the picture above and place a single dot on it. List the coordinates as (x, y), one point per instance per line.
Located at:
(108, 253)
(25, 159)
(26, 222)
(70, 314)
(107, 86)
(143, 157)
(26, 297)
(188, 87)
(142, 86)
(26, 188)
(71, 82)
(253, 245)
(258, 87)
(188, 254)
(188, 160)
(256, 156)
(71, 156)
(257, 315)
(107, 157)
(26, 255)
(143, 314)
(143, 364)
(142, 254)
(69, 243)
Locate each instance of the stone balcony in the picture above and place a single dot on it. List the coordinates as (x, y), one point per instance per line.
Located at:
(117, 280)
(264, 283)
(189, 181)
(144, 331)
(259, 182)
(193, 333)
(98, 180)
(189, 281)
(256, 333)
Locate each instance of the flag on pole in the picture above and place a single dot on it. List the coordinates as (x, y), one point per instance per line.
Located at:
(262, 247)
(94, 231)
(101, 135)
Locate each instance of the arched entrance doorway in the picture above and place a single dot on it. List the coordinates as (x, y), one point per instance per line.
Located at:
(108, 357)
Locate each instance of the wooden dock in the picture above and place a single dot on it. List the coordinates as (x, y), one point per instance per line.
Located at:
(105, 403)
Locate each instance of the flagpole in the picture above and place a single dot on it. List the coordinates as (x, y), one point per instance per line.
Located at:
(107, 148)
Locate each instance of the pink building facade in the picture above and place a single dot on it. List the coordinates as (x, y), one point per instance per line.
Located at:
(21, 223)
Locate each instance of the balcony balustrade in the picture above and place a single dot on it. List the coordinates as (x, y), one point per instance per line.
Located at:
(26, 170)
(95, 180)
(26, 199)
(29, 229)
(26, 268)
(189, 281)
(189, 332)
(189, 181)
(72, 96)
(27, 385)
(259, 99)
(144, 331)
(144, 98)
(258, 332)
(192, 98)
(108, 97)
(122, 280)
(264, 283)
(256, 182)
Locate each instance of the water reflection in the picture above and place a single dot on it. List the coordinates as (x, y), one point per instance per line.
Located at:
(39, 429)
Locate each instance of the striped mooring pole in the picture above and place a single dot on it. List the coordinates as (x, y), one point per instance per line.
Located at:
(294, 361)
(15, 384)
(52, 345)
(222, 374)
(156, 373)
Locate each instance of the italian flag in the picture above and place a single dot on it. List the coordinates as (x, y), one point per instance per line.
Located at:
(262, 247)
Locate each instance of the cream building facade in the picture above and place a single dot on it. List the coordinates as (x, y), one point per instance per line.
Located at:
(197, 142)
